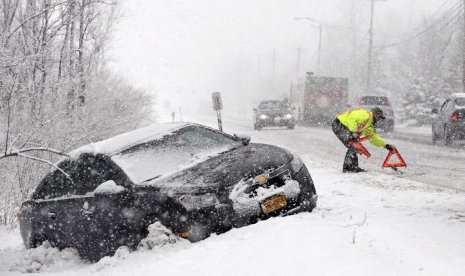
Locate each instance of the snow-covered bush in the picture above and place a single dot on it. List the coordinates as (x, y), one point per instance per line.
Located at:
(55, 89)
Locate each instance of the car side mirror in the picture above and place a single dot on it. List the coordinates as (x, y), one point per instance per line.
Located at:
(244, 138)
(255, 109)
(435, 111)
(109, 188)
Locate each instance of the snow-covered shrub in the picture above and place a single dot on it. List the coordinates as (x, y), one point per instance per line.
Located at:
(46, 258)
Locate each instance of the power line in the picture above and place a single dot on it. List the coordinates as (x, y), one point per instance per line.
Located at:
(448, 17)
(431, 17)
(408, 46)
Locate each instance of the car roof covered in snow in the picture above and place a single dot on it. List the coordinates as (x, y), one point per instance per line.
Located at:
(126, 140)
(458, 95)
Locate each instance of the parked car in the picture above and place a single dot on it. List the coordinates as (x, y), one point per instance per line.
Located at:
(192, 179)
(383, 102)
(273, 113)
(449, 124)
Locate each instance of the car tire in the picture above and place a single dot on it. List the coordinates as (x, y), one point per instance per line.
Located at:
(291, 127)
(257, 127)
(448, 137)
(434, 137)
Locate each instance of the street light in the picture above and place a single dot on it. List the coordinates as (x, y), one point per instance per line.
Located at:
(320, 28)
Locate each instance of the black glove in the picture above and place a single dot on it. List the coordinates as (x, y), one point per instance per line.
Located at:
(389, 147)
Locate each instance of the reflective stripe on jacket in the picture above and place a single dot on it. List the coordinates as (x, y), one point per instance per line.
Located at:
(361, 121)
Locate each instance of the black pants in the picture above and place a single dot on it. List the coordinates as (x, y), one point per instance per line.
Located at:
(343, 133)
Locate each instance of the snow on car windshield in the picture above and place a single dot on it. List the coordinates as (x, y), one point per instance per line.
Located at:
(184, 148)
(272, 105)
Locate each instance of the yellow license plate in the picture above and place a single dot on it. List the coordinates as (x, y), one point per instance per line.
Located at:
(274, 204)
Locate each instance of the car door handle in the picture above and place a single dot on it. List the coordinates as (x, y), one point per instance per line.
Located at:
(52, 215)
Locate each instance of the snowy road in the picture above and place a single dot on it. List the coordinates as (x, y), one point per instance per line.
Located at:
(374, 223)
(431, 164)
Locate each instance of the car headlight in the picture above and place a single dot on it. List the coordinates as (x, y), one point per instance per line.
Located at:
(261, 179)
(288, 116)
(263, 116)
(296, 163)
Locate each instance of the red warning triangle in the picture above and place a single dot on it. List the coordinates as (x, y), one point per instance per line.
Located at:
(358, 146)
(399, 163)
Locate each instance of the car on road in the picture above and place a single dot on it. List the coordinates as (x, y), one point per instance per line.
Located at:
(384, 103)
(190, 178)
(273, 113)
(449, 122)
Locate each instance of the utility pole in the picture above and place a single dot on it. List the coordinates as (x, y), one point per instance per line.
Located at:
(370, 48)
(320, 36)
(463, 53)
(274, 64)
(297, 67)
(320, 28)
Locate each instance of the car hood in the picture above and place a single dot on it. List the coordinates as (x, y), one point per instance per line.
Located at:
(222, 171)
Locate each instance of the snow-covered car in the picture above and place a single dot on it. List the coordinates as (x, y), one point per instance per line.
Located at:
(383, 102)
(192, 179)
(449, 122)
(273, 113)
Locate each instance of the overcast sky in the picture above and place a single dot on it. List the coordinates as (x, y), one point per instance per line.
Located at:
(182, 50)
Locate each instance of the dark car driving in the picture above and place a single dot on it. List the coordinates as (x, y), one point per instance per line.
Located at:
(273, 113)
(192, 179)
(449, 122)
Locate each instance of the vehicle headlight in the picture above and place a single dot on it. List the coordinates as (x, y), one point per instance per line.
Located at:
(288, 116)
(296, 163)
(263, 116)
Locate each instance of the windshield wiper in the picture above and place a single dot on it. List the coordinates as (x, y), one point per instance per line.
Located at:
(152, 178)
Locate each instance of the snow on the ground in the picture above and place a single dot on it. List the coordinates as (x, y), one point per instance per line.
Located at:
(373, 223)
(365, 224)
(424, 130)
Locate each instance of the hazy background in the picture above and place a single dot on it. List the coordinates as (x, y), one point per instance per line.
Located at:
(182, 50)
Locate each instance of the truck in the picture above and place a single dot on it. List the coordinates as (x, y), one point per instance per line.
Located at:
(321, 98)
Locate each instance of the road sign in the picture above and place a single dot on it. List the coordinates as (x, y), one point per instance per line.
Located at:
(217, 106)
(216, 100)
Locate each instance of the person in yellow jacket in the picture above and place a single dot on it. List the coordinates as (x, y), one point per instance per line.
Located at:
(349, 126)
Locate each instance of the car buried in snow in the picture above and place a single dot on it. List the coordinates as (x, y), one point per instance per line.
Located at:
(192, 179)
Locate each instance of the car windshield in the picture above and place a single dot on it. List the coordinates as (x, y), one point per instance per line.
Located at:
(460, 101)
(374, 100)
(183, 149)
(272, 105)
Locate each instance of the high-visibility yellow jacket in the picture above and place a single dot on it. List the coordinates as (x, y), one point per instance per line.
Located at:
(361, 121)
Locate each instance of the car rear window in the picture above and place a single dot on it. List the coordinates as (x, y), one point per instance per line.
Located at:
(374, 100)
(460, 101)
(87, 172)
(183, 149)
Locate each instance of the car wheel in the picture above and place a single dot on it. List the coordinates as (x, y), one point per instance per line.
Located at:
(448, 137)
(434, 137)
(257, 127)
(291, 127)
